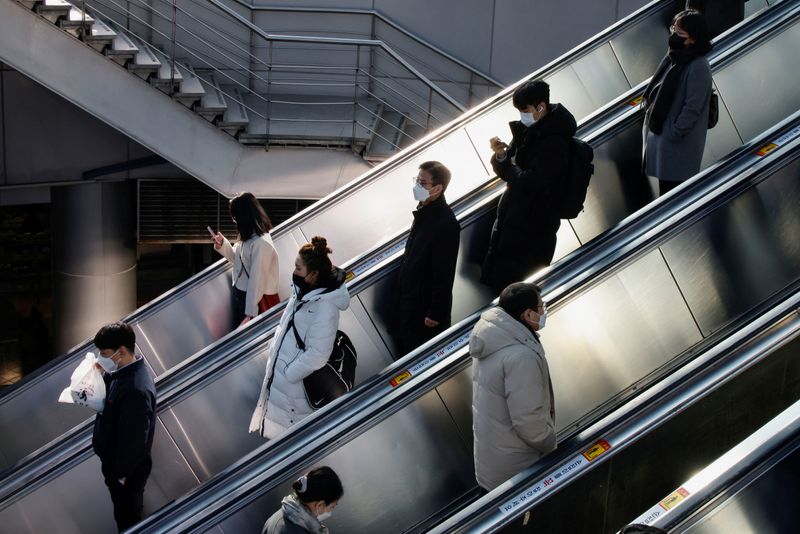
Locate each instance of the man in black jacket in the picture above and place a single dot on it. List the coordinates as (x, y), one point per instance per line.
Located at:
(123, 432)
(534, 167)
(424, 291)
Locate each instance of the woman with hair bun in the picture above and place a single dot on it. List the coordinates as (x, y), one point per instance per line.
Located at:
(313, 498)
(255, 261)
(318, 295)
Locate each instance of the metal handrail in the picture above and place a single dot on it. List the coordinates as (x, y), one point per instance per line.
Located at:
(376, 14)
(234, 53)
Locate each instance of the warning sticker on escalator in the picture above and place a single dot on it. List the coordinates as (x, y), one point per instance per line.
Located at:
(780, 141)
(596, 450)
(674, 498)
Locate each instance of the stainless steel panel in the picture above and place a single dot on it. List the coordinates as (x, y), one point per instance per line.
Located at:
(742, 253)
(617, 188)
(384, 208)
(566, 241)
(612, 335)
(639, 49)
(761, 88)
(211, 425)
(78, 501)
(766, 504)
(722, 139)
(589, 82)
(409, 466)
(754, 6)
(189, 323)
(34, 417)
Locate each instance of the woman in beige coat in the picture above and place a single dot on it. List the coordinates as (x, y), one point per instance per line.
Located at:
(254, 258)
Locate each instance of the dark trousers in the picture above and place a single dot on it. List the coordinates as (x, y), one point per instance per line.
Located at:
(128, 499)
(665, 186)
(415, 333)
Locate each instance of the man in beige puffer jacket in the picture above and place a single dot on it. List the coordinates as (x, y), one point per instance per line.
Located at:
(512, 397)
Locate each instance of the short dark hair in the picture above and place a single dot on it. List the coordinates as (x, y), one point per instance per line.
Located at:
(315, 257)
(694, 23)
(249, 215)
(518, 297)
(439, 173)
(531, 93)
(321, 484)
(115, 335)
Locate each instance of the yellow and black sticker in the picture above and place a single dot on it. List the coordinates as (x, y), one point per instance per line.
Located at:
(636, 101)
(766, 149)
(399, 379)
(674, 498)
(349, 276)
(596, 450)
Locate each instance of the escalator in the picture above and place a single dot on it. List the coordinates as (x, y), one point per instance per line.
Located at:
(680, 292)
(645, 452)
(179, 326)
(191, 451)
(197, 314)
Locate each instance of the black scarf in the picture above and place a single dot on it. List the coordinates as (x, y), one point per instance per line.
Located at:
(661, 90)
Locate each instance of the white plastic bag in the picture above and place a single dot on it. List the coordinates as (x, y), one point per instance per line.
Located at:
(86, 386)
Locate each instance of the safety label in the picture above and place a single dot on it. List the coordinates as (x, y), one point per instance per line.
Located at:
(674, 498)
(376, 259)
(399, 379)
(670, 502)
(596, 450)
(636, 101)
(430, 360)
(782, 140)
(549, 482)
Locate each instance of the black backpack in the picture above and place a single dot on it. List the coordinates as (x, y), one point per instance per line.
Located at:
(580, 172)
(336, 377)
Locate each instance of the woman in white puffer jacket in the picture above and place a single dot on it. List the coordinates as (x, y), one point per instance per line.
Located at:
(319, 294)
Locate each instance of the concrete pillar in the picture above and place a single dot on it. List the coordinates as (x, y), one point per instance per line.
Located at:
(94, 258)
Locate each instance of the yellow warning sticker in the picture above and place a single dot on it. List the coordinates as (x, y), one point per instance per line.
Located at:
(636, 101)
(349, 276)
(674, 498)
(596, 450)
(399, 379)
(766, 149)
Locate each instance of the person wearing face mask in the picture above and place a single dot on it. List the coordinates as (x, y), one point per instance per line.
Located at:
(676, 102)
(513, 411)
(313, 498)
(534, 167)
(123, 431)
(423, 294)
(318, 295)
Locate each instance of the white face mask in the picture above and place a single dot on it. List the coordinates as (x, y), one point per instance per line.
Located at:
(542, 320)
(108, 365)
(323, 516)
(420, 193)
(526, 118)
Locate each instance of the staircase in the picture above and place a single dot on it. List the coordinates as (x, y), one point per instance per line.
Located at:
(220, 130)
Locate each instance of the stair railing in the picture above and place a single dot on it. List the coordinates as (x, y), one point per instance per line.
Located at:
(223, 49)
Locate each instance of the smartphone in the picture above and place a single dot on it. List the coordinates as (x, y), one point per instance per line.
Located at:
(210, 231)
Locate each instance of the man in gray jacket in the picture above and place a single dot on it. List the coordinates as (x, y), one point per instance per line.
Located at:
(512, 397)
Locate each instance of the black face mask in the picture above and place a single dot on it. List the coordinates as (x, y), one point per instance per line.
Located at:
(676, 42)
(301, 283)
